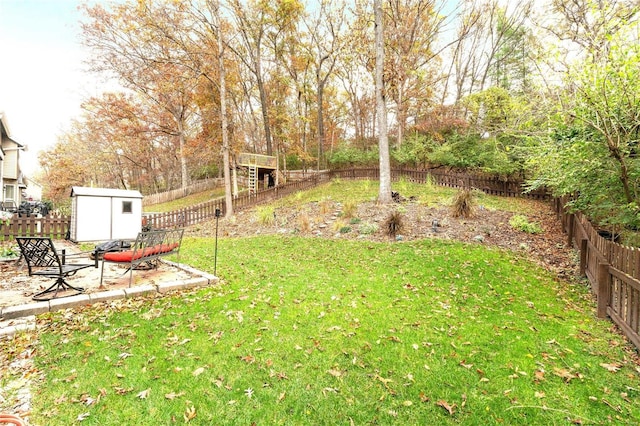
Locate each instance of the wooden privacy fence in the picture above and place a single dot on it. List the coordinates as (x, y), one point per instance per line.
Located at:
(613, 271)
(51, 226)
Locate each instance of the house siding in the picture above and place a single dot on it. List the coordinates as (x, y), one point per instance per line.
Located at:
(10, 169)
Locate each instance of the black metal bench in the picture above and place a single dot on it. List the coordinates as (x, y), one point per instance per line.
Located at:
(42, 259)
(148, 247)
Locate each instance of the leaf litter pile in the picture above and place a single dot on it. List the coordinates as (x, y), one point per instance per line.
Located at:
(341, 331)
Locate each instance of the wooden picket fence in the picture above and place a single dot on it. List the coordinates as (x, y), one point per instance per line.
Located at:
(56, 227)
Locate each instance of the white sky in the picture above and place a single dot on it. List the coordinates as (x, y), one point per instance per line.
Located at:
(41, 72)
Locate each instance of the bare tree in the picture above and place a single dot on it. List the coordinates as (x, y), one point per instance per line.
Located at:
(223, 113)
(384, 195)
(325, 32)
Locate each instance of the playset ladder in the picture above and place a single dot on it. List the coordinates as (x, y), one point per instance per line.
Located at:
(253, 179)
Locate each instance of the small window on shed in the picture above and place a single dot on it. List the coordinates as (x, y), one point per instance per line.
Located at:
(127, 207)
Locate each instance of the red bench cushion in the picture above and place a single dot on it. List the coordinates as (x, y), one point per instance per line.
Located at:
(127, 256)
(122, 256)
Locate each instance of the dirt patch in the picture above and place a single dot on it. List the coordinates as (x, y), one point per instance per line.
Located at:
(329, 219)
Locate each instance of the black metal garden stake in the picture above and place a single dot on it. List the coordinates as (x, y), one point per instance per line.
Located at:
(215, 254)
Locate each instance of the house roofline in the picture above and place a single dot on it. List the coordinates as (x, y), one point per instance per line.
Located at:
(5, 129)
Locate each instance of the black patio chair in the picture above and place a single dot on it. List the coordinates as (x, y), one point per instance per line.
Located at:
(43, 259)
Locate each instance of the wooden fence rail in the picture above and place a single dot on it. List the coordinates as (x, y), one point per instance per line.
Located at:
(613, 271)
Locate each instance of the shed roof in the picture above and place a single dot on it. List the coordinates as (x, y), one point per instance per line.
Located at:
(104, 192)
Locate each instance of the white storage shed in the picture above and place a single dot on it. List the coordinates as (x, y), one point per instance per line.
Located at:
(101, 214)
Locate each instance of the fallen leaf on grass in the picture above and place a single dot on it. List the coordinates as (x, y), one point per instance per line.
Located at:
(383, 380)
(449, 407)
(564, 373)
(144, 394)
(611, 367)
(122, 391)
(82, 416)
(189, 414)
(61, 399)
(248, 359)
(467, 366)
(173, 395)
(336, 373)
(198, 371)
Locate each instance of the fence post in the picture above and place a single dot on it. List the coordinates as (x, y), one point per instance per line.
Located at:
(583, 256)
(604, 289)
(570, 224)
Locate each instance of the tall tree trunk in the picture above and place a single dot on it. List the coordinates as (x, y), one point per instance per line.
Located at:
(184, 170)
(401, 114)
(265, 107)
(320, 123)
(228, 199)
(384, 195)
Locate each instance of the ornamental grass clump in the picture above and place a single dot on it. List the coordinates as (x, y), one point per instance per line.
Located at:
(393, 225)
(266, 215)
(463, 204)
(349, 209)
(304, 223)
(325, 205)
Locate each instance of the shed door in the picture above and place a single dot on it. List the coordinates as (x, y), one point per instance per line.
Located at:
(93, 220)
(126, 216)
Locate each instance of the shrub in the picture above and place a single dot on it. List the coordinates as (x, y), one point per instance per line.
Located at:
(463, 204)
(367, 228)
(521, 223)
(345, 229)
(393, 225)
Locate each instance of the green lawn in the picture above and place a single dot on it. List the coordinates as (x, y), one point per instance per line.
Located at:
(312, 331)
(184, 202)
